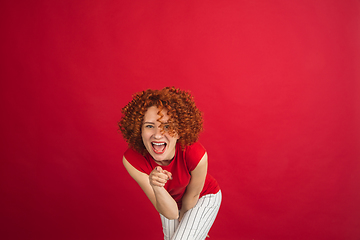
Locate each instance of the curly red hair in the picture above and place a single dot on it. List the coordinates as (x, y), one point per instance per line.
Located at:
(185, 119)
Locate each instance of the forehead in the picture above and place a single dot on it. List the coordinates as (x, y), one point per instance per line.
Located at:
(151, 114)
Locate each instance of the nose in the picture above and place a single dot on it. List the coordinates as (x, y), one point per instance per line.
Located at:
(158, 134)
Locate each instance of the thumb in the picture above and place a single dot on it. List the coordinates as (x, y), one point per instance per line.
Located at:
(158, 168)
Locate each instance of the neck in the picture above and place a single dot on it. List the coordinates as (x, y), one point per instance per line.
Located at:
(163, 163)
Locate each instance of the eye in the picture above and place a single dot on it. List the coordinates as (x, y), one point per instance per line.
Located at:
(166, 127)
(149, 126)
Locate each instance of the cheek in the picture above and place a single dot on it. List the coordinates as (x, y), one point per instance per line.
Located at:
(143, 136)
(174, 140)
(146, 135)
(173, 137)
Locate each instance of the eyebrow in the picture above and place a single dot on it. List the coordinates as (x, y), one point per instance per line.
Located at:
(154, 123)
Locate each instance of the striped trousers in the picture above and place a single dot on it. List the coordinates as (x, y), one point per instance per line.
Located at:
(196, 222)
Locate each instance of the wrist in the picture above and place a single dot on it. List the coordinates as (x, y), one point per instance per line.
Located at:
(157, 188)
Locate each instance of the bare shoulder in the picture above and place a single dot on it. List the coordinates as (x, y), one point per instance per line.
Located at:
(202, 165)
(134, 173)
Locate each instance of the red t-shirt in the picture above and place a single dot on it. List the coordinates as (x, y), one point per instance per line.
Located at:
(181, 166)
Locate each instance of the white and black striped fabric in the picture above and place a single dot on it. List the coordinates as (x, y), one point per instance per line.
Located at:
(196, 222)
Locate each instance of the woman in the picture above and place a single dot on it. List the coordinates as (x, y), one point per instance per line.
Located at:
(161, 128)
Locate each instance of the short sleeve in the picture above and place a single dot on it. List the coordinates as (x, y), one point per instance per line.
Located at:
(137, 160)
(193, 155)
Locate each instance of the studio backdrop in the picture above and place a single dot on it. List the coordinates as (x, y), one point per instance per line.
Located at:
(278, 83)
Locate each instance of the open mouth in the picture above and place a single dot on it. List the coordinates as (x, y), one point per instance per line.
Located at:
(158, 147)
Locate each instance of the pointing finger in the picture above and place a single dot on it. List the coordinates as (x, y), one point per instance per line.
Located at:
(168, 174)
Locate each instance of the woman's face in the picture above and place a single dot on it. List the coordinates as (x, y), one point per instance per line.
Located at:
(161, 146)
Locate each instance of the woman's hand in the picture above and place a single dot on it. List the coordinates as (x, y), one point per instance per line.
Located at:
(158, 177)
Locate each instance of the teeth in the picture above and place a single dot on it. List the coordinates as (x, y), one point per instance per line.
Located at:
(158, 143)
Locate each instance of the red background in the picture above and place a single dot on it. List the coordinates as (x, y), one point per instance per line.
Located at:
(278, 82)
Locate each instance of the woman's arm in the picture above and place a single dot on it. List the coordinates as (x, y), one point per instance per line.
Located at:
(195, 186)
(157, 194)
